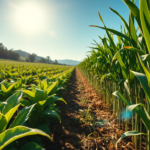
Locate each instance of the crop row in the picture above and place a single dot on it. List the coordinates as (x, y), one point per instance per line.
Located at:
(122, 69)
(28, 103)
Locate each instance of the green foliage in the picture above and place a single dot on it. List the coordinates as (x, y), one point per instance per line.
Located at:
(124, 66)
(28, 97)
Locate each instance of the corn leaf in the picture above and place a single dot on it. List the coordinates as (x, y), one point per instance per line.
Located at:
(135, 11)
(129, 133)
(145, 21)
(113, 31)
(137, 110)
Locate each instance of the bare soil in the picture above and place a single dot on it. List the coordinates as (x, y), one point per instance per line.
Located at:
(72, 133)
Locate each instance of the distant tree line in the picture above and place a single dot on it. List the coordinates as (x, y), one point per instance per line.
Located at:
(8, 54)
(32, 58)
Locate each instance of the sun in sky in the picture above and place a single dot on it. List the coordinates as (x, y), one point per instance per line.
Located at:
(29, 17)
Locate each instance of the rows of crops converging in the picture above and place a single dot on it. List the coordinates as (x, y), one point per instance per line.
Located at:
(120, 71)
(29, 93)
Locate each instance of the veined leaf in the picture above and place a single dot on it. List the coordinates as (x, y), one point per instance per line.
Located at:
(18, 132)
(129, 133)
(31, 146)
(137, 110)
(105, 75)
(132, 31)
(145, 70)
(125, 23)
(3, 123)
(11, 112)
(145, 57)
(135, 11)
(51, 113)
(52, 99)
(44, 128)
(22, 116)
(113, 31)
(128, 48)
(3, 88)
(143, 80)
(30, 94)
(44, 84)
(12, 101)
(40, 95)
(145, 21)
(52, 88)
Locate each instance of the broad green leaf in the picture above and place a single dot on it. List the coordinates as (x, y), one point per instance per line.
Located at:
(127, 87)
(52, 99)
(103, 77)
(18, 132)
(1, 106)
(113, 31)
(51, 113)
(3, 123)
(45, 84)
(40, 95)
(145, 21)
(3, 88)
(12, 101)
(135, 11)
(11, 86)
(124, 70)
(145, 70)
(31, 146)
(131, 107)
(11, 112)
(132, 31)
(123, 20)
(137, 110)
(30, 94)
(25, 102)
(145, 57)
(52, 89)
(22, 116)
(128, 48)
(143, 80)
(44, 128)
(129, 133)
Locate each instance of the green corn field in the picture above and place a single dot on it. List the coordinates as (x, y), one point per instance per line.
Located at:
(120, 72)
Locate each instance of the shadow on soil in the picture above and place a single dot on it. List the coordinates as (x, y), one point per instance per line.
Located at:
(65, 134)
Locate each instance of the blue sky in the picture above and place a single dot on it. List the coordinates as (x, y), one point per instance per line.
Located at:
(57, 28)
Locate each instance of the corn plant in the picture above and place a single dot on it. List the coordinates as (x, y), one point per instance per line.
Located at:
(124, 67)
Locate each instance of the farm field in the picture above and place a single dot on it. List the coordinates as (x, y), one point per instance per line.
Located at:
(87, 122)
(28, 97)
(103, 103)
(59, 105)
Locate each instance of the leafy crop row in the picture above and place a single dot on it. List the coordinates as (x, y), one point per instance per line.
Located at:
(28, 97)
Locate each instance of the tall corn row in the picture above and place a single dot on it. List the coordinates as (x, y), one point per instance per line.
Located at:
(123, 70)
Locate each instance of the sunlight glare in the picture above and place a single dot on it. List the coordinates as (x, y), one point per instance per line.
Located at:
(30, 18)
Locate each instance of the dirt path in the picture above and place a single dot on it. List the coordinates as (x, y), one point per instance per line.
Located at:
(76, 124)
